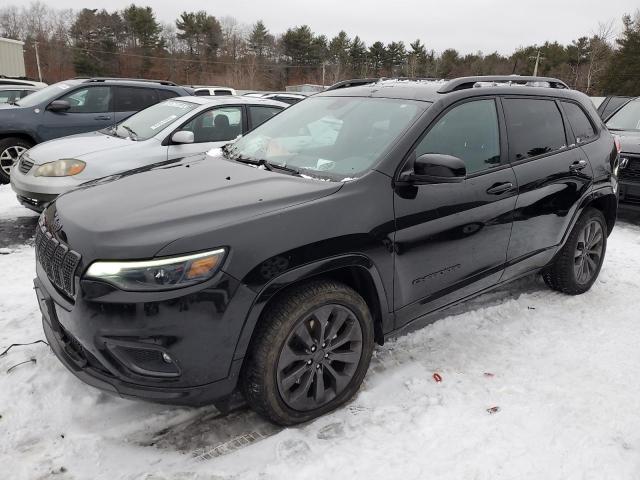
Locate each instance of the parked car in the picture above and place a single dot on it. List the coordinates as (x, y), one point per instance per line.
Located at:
(74, 106)
(13, 93)
(610, 104)
(347, 218)
(202, 90)
(167, 130)
(626, 124)
(23, 82)
(287, 97)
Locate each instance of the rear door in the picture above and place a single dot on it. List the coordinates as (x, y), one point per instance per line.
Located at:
(451, 239)
(91, 109)
(553, 174)
(211, 128)
(129, 100)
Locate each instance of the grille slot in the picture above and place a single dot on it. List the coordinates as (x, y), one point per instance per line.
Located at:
(632, 170)
(25, 165)
(57, 260)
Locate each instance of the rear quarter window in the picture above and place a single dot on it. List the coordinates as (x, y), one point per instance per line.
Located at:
(580, 124)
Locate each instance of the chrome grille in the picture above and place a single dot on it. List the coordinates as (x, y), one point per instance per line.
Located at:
(25, 165)
(57, 260)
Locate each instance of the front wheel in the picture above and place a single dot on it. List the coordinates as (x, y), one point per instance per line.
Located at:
(309, 354)
(577, 265)
(10, 150)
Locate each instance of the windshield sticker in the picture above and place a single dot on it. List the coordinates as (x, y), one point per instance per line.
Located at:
(176, 104)
(161, 123)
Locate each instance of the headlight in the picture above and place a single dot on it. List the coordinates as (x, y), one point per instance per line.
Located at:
(160, 274)
(64, 167)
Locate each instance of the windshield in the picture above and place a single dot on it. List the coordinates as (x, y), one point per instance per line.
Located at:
(328, 137)
(146, 123)
(627, 118)
(44, 95)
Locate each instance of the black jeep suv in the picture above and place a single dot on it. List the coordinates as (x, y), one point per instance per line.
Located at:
(74, 106)
(273, 268)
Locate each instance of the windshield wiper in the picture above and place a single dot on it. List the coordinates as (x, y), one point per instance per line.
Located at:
(267, 165)
(132, 134)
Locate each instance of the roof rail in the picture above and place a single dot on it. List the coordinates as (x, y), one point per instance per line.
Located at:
(125, 79)
(470, 82)
(356, 82)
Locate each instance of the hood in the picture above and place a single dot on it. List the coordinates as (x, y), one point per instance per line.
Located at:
(77, 146)
(629, 141)
(137, 213)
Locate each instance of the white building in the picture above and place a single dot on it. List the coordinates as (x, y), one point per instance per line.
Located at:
(11, 58)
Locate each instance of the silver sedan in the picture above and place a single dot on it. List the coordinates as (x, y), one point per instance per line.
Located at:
(171, 129)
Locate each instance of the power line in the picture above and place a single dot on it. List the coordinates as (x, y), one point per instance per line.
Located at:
(189, 60)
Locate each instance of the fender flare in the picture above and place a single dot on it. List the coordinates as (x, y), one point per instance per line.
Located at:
(304, 272)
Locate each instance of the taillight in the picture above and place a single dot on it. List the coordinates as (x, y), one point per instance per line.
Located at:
(616, 139)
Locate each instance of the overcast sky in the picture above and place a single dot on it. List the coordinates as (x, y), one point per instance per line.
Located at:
(467, 25)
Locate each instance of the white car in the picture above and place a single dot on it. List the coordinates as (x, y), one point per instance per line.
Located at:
(168, 130)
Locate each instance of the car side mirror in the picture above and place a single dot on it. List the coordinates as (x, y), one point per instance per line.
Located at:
(183, 136)
(59, 106)
(435, 168)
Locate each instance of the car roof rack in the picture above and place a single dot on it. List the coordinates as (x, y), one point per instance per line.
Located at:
(357, 82)
(125, 79)
(463, 83)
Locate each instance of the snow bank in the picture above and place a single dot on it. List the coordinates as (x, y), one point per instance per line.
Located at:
(562, 370)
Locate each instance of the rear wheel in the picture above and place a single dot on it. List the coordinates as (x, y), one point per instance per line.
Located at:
(309, 354)
(10, 150)
(578, 264)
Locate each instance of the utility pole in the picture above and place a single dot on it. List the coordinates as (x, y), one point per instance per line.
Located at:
(38, 61)
(324, 64)
(535, 68)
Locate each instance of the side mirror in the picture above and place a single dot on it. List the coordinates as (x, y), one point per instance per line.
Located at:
(435, 168)
(59, 106)
(183, 136)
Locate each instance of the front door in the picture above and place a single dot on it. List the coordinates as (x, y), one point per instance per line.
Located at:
(91, 109)
(451, 239)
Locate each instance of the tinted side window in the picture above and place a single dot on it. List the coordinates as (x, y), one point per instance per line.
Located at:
(166, 94)
(89, 100)
(580, 124)
(535, 127)
(132, 99)
(469, 132)
(259, 115)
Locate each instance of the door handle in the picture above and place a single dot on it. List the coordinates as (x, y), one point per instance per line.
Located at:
(500, 188)
(103, 117)
(578, 165)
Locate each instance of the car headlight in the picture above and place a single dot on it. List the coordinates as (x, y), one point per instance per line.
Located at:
(65, 167)
(158, 274)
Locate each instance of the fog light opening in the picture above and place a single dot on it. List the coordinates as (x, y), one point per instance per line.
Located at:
(166, 358)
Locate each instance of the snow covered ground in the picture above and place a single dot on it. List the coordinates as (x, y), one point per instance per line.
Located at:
(563, 372)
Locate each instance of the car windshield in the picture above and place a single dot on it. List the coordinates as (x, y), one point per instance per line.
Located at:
(44, 95)
(328, 137)
(627, 118)
(148, 122)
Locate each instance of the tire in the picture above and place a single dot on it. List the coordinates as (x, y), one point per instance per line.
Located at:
(575, 268)
(328, 372)
(10, 149)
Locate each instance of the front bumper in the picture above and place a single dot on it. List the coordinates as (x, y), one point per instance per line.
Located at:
(198, 331)
(36, 192)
